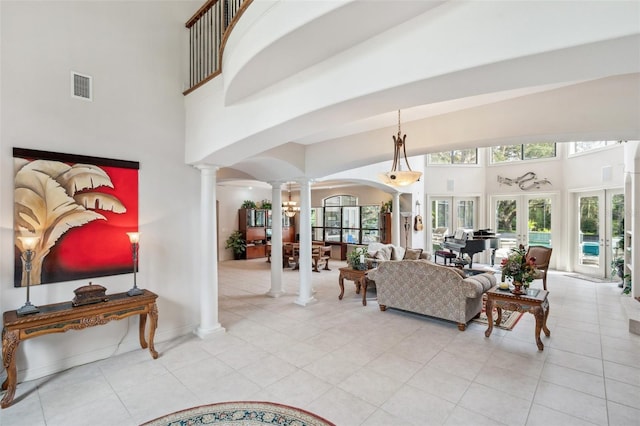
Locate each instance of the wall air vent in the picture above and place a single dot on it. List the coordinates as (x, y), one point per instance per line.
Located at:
(81, 86)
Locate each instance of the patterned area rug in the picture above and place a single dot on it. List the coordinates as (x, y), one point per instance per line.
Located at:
(508, 321)
(241, 413)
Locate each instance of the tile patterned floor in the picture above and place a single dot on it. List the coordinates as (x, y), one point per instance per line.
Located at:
(356, 365)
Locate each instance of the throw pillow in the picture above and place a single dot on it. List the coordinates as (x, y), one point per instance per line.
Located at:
(397, 252)
(373, 248)
(412, 254)
(383, 254)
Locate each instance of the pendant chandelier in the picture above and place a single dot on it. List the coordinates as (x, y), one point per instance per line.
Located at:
(289, 208)
(397, 176)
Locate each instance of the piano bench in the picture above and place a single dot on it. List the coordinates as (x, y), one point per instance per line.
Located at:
(445, 255)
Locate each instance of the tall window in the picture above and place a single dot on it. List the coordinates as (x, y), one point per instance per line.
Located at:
(531, 151)
(465, 214)
(458, 156)
(343, 220)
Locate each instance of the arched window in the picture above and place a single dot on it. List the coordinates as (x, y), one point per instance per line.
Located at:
(341, 200)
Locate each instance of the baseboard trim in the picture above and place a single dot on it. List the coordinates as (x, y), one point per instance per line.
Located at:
(131, 343)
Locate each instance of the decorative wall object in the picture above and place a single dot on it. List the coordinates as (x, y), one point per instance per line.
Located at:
(81, 208)
(525, 182)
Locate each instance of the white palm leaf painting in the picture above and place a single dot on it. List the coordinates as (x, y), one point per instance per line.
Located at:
(48, 203)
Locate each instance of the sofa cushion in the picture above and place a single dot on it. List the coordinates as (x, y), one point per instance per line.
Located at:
(412, 254)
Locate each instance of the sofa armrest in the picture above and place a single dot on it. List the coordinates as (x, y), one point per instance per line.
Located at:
(479, 284)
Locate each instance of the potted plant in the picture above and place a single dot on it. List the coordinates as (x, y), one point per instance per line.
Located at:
(248, 204)
(617, 267)
(265, 204)
(520, 269)
(627, 284)
(357, 258)
(236, 243)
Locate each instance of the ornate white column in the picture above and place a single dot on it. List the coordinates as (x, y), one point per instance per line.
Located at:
(276, 240)
(208, 253)
(395, 219)
(305, 296)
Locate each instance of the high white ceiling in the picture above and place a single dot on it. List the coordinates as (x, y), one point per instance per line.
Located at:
(312, 88)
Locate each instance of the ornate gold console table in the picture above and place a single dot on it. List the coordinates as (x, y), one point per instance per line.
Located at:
(60, 317)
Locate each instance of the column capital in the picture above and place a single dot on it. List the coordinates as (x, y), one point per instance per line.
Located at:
(206, 167)
(304, 181)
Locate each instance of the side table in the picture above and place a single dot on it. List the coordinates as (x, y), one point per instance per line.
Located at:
(359, 278)
(535, 302)
(60, 317)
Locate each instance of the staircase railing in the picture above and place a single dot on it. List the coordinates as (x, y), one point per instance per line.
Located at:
(209, 29)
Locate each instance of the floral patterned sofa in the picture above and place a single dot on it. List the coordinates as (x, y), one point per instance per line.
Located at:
(427, 288)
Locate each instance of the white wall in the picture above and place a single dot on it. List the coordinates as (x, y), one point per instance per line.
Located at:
(135, 53)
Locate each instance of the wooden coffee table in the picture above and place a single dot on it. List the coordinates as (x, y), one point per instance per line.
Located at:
(535, 302)
(359, 278)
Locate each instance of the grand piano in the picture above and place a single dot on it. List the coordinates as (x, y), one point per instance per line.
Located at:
(472, 242)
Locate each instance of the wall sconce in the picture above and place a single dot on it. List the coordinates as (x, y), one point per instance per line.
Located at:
(134, 238)
(28, 245)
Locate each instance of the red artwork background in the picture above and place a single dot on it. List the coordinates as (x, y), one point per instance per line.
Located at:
(100, 247)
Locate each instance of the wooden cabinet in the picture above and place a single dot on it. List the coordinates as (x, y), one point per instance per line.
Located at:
(385, 230)
(255, 225)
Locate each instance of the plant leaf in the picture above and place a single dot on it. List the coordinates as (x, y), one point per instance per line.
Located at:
(84, 176)
(98, 200)
(43, 207)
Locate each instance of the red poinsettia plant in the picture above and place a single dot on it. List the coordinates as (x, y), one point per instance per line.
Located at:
(517, 267)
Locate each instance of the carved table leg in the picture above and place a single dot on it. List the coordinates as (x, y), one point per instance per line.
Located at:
(499, 316)
(341, 283)
(547, 332)
(143, 324)
(489, 311)
(10, 341)
(364, 291)
(153, 314)
(538, 313)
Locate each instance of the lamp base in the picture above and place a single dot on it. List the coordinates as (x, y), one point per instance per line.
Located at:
(28, 309)
(135, 291)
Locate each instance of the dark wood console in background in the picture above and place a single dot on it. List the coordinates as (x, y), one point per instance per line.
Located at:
(255, 225)
(60, 317)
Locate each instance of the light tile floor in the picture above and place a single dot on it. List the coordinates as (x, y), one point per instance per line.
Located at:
(356, 365)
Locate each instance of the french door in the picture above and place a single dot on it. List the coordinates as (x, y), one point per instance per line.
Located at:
(599, 231)
(449, 214)
(522, 219)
